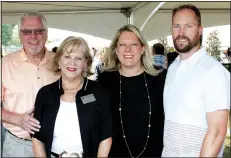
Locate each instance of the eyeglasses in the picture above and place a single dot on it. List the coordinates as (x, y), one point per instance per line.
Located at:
(27, 32)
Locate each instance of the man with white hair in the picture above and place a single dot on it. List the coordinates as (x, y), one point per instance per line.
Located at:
(23, 74)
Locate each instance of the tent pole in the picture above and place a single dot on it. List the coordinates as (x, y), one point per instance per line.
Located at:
(152, 13)
(127, 12)
(131, 18)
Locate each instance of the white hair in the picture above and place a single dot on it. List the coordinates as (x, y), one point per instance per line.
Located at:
(32, 14)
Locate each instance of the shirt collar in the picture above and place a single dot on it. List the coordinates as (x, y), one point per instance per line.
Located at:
(192, 61)
(58, 85)
(25, 58)
(158, 55)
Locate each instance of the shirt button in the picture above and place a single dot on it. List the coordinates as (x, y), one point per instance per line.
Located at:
(38, 68)
(38, 77)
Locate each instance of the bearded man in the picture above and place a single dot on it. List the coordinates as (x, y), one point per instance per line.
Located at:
(196, 93)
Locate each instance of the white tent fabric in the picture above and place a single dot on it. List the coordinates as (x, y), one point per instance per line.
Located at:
(103, 19)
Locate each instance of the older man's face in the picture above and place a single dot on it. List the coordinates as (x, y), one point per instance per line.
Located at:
(33, 35)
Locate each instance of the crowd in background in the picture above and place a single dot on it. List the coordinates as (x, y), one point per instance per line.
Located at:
(162, 57)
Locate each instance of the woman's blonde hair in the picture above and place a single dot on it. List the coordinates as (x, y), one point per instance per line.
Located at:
(112, 63)
(73, 43)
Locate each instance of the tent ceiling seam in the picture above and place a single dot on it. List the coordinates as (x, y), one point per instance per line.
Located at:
(56, 5)
(138, 6)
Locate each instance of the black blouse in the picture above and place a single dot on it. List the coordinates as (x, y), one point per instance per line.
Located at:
(135, 113)
(94, 116)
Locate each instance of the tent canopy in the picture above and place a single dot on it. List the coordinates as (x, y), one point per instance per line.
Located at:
(103, 19)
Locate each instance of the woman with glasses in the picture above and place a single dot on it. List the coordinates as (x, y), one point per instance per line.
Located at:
(136, 91)
(73, 111)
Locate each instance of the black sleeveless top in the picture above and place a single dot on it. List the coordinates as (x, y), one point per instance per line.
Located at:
(135, 113)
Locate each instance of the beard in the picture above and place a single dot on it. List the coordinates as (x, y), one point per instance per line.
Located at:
(35, 51)
(191, 44)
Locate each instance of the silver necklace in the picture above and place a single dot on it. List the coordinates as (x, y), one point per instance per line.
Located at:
(71, 88)
(149, 120)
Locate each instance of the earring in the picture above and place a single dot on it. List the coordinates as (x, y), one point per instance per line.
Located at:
(59, 67)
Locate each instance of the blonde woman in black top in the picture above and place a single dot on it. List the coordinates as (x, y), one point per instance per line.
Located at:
(136, 91)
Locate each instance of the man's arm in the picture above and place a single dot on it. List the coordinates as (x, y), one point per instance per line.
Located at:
(214, 138)
(25, 121)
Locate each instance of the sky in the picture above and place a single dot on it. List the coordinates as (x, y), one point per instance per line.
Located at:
(57, 38)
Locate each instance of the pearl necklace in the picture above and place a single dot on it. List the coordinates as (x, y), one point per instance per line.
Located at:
(75, 87)
(70, 88)
(149, 120)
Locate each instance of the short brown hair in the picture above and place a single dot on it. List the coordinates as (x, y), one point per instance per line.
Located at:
(73, 42)
(158, 49)
(191, 7)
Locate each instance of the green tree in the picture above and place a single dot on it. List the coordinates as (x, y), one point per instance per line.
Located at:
(7, 31)
(213, 44)
(15, 37)
(164, 42)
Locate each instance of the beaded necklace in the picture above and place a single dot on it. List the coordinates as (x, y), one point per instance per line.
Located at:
(149, 120)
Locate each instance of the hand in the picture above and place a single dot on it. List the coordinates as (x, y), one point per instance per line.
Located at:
(28, 123)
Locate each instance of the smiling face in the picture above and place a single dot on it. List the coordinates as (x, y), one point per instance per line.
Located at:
(129, 50)
(73, 62)
(186, 31)
(33, 43)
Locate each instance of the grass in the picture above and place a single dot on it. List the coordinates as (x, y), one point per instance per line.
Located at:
(227, 147)
(227, 143)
